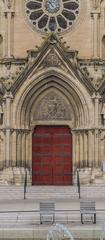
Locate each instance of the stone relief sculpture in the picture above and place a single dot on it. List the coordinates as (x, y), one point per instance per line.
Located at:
(52, 60)
(52, 107)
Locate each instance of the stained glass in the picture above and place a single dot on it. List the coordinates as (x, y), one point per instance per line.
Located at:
(52, 15)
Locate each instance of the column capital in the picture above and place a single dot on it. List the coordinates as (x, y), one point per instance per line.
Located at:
(95, 14)
(8, 12)
(8, 95)
(96, 96)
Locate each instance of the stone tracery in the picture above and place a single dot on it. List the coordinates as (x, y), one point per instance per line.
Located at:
(52, 15)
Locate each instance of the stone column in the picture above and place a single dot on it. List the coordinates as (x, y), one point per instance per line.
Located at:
(96, 108)
(81, 150)
(77, 150)
(23, 149)
(30, 153)
(96, 99)
(96, 148)
(14, 146)
(91, 148)
(85, 149)
(102, 145)
(8, 98)
(2, 143)
(96, 140)
(19, 149)
(73, 149)
(27, 149)
(9, 14)
(95, 16)
(7, 143)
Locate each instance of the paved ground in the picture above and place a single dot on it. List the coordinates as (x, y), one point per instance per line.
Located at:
(19, 217)
(27, 212)
(32, 205)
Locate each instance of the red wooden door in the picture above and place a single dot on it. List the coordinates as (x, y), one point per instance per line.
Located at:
(52, 155)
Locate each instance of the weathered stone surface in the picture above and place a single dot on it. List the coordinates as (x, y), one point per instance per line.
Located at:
(14, 175)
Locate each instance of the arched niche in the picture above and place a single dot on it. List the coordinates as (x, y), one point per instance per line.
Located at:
(25, 105)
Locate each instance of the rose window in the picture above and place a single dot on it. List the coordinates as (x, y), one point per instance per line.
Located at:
(52, 15)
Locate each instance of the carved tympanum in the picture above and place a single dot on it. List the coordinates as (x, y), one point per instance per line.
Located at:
(53, 106)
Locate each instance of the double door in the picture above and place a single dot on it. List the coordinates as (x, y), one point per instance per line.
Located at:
(52, 155)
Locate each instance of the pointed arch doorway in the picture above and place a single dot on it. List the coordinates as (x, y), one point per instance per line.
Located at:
(52, 155)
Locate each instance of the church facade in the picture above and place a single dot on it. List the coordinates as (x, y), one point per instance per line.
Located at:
(52, 91)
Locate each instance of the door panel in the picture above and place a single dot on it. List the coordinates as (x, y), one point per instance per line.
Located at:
(52, 156)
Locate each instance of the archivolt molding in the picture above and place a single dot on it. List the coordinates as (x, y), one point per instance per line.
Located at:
(62, 89)
(68, 87)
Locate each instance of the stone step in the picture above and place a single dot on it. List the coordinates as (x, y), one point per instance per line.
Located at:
(51, 192)
(41, 192)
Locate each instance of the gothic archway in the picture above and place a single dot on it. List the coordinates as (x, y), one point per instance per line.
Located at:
(52, 100)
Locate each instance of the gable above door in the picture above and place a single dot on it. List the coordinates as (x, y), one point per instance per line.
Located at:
(51, 57)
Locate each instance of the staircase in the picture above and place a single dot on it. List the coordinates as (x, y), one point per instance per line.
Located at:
(93, 191)
(38, 192)
(11, 192)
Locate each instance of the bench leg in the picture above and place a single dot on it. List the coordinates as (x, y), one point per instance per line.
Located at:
(40, 220)
(94, 218)
(81, 218)
(53, 218)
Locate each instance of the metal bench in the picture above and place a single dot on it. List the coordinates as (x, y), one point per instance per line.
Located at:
(47, 212)
(88, 208)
